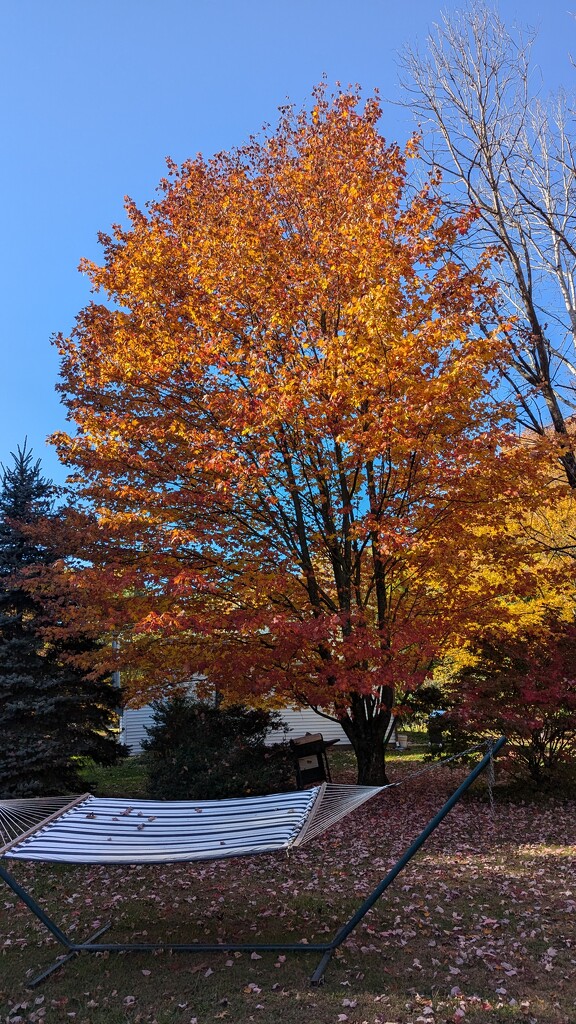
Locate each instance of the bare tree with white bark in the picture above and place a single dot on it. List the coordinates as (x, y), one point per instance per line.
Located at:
(510, 151)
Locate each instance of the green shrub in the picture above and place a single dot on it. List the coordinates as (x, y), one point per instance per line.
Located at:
(201, 751)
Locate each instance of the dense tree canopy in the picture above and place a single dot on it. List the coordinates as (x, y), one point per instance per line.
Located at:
(295, 474)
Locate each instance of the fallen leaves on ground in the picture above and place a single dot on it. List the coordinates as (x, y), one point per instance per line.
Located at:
(480, 926)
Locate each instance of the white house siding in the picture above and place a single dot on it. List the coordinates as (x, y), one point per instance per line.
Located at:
(298, 722)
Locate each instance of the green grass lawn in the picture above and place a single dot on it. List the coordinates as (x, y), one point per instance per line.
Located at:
(128, 778)
(480, 927)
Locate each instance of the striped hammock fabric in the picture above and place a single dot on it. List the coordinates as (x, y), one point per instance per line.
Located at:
(100, 830)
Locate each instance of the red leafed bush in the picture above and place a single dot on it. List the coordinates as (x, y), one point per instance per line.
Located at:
(525, 688)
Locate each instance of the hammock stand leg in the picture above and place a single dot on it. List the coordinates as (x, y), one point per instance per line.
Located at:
(48, 923)
(345, 930)
(90, 946)
(326, 948)
(65, 958)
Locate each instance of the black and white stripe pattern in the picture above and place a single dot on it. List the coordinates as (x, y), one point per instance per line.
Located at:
(104, 831)
(99, 830)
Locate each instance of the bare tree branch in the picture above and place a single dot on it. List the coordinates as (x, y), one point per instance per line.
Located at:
(510, 153)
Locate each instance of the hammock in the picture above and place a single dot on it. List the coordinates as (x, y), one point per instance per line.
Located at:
(94, 830)
(99, 830)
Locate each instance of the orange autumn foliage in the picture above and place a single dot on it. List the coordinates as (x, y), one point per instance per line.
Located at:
(295, 475)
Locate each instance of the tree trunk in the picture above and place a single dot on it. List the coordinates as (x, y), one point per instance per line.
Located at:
(366, 734)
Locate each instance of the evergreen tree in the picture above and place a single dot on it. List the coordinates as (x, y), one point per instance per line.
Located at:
(50, 712)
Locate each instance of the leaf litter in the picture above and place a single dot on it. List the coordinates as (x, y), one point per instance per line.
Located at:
(480, 926)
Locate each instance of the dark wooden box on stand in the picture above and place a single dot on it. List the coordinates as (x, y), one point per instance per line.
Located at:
(311, 759)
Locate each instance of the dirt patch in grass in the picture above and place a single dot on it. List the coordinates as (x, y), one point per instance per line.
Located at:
(480, 927)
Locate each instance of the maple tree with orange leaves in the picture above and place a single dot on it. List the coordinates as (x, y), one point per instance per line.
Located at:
(293, 471)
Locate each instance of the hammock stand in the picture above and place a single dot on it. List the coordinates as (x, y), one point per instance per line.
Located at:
(327, 949)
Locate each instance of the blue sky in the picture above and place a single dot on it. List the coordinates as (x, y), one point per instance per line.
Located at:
(96, 93)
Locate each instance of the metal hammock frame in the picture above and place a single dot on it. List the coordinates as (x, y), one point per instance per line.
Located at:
(326, 949)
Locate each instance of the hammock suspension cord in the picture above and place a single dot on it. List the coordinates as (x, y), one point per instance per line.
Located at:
(18, 816)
